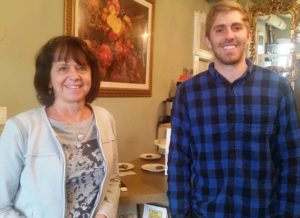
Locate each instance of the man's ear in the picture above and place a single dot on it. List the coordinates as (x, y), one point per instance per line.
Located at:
(207, 41)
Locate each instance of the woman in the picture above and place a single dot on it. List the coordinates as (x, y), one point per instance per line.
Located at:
(60, 160)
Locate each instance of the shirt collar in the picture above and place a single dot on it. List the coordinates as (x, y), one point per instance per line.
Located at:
(215, 74)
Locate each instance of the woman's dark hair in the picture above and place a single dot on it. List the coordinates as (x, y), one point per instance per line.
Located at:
(63, 48)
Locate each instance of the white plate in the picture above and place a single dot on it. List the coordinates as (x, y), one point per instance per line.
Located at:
(153, 167)
(125, 166)
(150, 156)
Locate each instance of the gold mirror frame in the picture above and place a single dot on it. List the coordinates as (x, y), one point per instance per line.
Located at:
(275, 7)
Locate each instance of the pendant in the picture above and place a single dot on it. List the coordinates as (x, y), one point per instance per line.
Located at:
(80, 136)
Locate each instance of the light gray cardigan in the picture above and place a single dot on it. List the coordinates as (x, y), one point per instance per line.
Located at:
(32, 167)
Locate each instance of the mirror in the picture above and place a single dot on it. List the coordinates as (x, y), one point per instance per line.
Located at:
(274, 34)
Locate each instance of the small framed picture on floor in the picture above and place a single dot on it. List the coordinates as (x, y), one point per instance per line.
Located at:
(155, 211)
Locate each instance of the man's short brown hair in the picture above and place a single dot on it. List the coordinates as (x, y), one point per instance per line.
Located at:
(225, 6)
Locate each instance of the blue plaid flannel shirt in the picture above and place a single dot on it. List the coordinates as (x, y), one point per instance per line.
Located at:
(235, 148)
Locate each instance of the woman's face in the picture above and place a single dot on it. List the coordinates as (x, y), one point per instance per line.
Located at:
(71, 82)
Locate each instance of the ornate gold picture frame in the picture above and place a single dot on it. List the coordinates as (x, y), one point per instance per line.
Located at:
(266, 10)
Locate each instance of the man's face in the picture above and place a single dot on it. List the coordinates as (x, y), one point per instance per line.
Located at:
(229, 38)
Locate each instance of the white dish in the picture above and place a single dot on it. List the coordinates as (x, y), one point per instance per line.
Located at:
(153, 167)
(150, 156)
(125, 166)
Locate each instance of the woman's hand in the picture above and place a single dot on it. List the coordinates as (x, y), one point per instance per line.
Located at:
(100, 216)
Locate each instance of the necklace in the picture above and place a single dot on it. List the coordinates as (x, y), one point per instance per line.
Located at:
(81, 130)
(69, 116)
(80, 136)
(71, 132)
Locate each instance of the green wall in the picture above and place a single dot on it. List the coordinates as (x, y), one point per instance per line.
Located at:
(26, 25)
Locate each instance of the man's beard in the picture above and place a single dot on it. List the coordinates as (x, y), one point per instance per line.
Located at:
(228, 59)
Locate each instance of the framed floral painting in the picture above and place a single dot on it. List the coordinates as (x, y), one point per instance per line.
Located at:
(119, 32)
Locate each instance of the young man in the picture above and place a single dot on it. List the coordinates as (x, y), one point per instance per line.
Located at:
(235, 143)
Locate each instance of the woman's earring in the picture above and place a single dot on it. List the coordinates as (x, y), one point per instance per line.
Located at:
(50, 91)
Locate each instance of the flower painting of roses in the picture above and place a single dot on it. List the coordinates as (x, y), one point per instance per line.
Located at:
(119, 32)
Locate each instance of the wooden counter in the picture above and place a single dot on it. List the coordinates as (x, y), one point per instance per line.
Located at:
(144, 187)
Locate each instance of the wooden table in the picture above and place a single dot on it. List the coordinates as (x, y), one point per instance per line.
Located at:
(144, 187)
